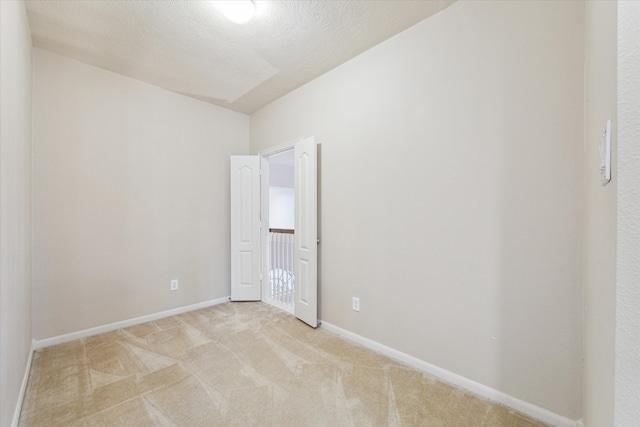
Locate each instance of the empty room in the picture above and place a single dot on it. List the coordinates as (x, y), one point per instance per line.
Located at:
(327, 213)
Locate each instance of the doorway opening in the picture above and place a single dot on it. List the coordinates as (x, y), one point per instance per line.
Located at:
(251, 268)
(279, 289)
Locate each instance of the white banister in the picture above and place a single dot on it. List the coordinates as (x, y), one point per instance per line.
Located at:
(280, 289)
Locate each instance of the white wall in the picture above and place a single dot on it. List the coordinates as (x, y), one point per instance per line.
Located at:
(281, 175)
(600, 215)
(627, 373)
(281, 208)
(281, 190)
(451, 193)
(15, 204)
(130, 190)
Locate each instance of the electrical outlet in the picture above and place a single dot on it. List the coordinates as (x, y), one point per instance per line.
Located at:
(174, 285)
(356, 304)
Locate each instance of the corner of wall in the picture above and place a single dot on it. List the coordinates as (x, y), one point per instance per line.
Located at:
(15, 207)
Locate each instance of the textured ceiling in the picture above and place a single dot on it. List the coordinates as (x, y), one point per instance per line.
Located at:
(190, 48)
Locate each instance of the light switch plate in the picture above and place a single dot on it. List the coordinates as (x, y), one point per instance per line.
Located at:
(605, 155)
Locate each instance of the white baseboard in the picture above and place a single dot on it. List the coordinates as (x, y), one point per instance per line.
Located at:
(48, 342)
(23, 387)
(526, 408)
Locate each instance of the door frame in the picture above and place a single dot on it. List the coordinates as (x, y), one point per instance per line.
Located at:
(289, 145)
(264, 198)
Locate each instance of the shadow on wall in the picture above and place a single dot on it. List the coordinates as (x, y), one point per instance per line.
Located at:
(538, 248)
(319, 175)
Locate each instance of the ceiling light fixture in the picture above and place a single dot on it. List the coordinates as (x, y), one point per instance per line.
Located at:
(238, 11)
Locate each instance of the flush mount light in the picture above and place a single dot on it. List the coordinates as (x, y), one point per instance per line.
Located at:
(238, 11)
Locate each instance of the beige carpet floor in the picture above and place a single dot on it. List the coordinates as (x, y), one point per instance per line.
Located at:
(243, 364)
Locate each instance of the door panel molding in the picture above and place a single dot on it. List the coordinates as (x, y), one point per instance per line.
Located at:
(245, 228)
(306, 231)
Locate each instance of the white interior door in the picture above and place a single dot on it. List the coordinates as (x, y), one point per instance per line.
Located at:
(245, 228)
(306, 232)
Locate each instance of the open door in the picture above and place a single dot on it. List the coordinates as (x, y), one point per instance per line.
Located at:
(249, 251)
(245, 228)
(306, 232)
